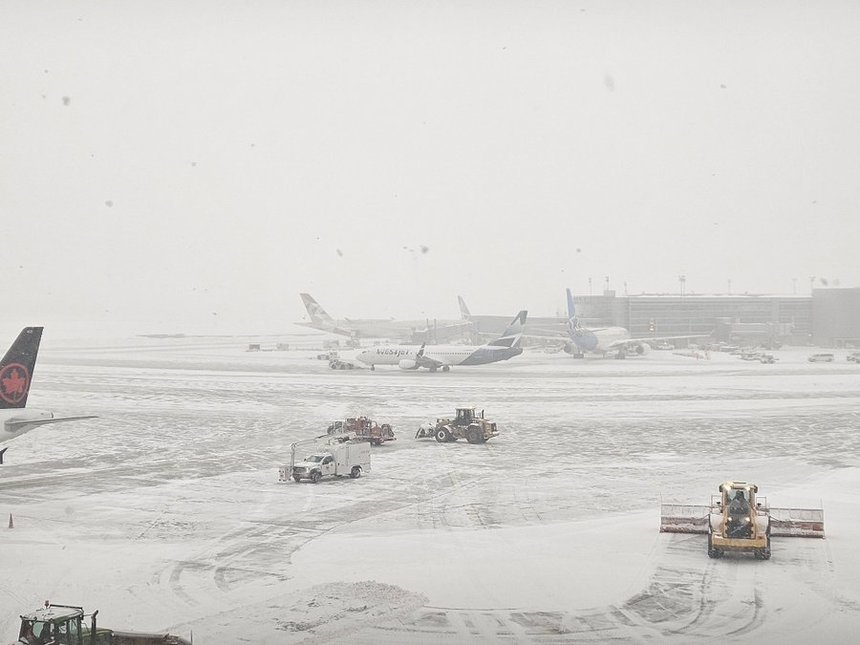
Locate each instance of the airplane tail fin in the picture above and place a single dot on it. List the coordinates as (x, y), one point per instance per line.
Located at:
(572, 320)
(315, 311)
(464, 310)
(16, 369)
(512, 336)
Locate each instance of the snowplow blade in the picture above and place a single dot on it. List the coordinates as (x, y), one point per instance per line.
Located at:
(684, 518)
(797, 522)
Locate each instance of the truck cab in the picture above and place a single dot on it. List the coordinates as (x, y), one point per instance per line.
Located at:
(320, 461)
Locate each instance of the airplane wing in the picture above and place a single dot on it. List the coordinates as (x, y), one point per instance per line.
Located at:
(445, 332)
(40, 422)
(331, 329)
(652, 339)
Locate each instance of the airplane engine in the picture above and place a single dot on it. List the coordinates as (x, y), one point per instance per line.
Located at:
(642, 349)
(570, 348)
(407, 364)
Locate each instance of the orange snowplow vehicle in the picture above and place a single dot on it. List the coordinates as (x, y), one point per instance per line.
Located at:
(364, 429)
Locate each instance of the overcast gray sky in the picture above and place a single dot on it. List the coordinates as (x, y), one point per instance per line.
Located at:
(192, 166)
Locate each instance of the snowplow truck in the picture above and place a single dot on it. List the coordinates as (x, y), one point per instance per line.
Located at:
(364, 429)
(337, 457)
(466, 425)
(739, 521)
(66, 625)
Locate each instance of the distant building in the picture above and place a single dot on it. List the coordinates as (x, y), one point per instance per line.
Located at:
(836, 317)
(730, 318)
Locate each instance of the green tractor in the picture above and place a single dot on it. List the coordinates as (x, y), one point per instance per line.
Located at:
(65, 625)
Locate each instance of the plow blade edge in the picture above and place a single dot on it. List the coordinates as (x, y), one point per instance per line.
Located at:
(684, 518)
(797, 522)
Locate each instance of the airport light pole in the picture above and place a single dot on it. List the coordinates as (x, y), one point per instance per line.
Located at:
(682, 279)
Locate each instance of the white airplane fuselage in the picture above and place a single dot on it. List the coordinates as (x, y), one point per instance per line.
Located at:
(598, 341)
(405, 356)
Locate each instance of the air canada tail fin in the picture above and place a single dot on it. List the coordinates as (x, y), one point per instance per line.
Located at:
(16, 369)
(464, 310)
(512, 336)
(315, 311)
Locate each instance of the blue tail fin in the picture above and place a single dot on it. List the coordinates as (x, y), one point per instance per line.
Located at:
(571, 310)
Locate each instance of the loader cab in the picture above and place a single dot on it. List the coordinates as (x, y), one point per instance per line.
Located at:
(738, 497)
(464, 416)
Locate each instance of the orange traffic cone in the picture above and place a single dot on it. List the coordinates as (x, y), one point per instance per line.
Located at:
(11, 523)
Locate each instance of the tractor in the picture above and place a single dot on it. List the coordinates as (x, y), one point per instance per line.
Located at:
(465, 425)
(738, 521)
(65, 625)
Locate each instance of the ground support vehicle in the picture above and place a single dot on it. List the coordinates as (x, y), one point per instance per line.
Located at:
(737, 521)
(338, 364)
(853, 357)
(820, 358)
(466, 425)
(364, 429)
(335, 456)
(767, 358)
(65, 625)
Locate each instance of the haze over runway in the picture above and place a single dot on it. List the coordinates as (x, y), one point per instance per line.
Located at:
(193, 166)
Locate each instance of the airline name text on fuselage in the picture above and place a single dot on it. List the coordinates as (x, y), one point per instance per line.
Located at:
(393, 351)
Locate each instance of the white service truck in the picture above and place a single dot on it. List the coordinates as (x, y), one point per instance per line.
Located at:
(336, 457)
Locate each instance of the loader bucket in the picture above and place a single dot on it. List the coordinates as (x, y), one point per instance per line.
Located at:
(684, 518)
(797, 522)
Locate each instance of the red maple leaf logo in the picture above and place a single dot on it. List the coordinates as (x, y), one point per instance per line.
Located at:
(14, 383)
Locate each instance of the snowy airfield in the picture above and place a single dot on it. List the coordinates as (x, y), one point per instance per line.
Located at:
(165, 512)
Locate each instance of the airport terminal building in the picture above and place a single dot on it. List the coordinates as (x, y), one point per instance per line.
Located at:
(828, 318)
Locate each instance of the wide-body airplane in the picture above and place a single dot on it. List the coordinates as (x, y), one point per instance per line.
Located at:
(434, 357)
(16, 374)
(607, 340)
(415, 330)
(489, 326)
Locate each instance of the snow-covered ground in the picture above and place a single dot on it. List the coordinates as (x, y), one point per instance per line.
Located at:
(166, 513)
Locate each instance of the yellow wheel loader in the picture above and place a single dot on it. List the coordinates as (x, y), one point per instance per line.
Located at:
(739, 521)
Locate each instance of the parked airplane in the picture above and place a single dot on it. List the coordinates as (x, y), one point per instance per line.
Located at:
(415, 330)
(434, 357)
(16, 374)
(490, 326)
(605, 340)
